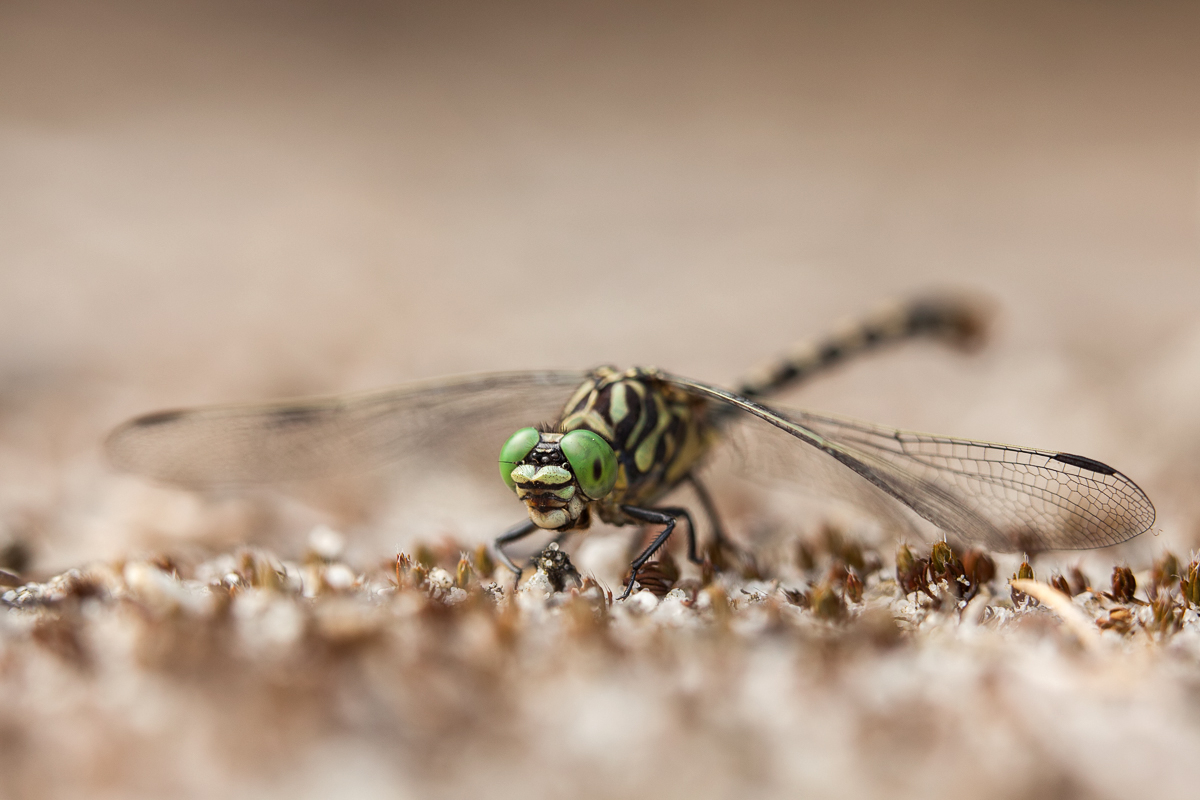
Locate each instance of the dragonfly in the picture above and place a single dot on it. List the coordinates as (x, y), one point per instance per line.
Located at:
(620, 441)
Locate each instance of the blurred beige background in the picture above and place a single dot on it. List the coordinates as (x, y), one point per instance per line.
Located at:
(232, 201)
(217, 201)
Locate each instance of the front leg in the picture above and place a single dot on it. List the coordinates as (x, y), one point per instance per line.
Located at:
(518, 531)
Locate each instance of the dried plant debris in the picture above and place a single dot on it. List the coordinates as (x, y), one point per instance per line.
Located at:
(556, 565)
(839, 578)
(1123, 585)
(435, 654)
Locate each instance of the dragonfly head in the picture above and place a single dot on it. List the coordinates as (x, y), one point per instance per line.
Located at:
(556, 475)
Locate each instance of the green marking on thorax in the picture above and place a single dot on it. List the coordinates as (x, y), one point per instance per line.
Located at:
(644, 456)
(640, 390)
(618, 406)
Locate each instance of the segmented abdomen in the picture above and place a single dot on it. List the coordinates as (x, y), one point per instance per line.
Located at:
(956, 321)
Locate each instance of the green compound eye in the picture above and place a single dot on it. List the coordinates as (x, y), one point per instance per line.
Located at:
(593, 461)
(514, 451)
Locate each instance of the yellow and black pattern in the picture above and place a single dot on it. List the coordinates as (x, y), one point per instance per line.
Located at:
(954, 320)
(658, 432)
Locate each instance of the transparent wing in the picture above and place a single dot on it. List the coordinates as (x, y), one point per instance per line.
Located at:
(455, 420)
(1007, 498)
(766, 456)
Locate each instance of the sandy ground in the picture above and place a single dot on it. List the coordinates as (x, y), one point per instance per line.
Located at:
(214, 202)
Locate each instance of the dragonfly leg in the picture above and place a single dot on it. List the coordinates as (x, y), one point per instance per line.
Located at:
(666, 517)
(710, 509)
(518, 531)
(678, 513)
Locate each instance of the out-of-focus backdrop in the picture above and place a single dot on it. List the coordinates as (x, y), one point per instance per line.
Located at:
(226, 201)
(210, 201)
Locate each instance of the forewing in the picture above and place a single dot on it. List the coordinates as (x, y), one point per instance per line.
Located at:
(446, 422)
(1005, 497)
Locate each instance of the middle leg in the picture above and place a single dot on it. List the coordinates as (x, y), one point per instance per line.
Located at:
(667, 517)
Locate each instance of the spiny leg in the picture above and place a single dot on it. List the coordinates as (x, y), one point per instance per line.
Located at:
(666, 517)
(677, 512)
(692, 551)
(516, 532)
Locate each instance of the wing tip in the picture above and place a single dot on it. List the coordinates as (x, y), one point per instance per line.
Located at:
(120, 445)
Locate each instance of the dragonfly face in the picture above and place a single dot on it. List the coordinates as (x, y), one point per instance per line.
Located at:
(557, 475)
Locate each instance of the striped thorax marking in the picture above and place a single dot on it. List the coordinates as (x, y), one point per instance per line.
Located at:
(658, 432)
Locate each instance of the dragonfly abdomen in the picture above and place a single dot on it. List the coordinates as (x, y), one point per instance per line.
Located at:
(955, 321)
